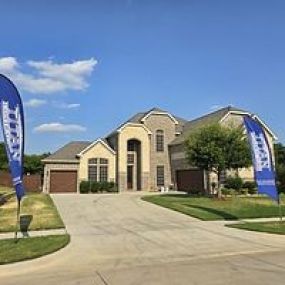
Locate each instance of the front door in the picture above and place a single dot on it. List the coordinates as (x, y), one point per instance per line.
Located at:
(130, 176)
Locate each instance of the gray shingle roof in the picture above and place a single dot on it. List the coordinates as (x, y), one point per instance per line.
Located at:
(68, 151)
(194, 125)
(138, 117)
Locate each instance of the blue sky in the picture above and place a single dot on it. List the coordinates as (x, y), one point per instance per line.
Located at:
(83, 67)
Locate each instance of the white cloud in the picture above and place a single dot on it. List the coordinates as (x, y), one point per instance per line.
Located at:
(34, 103)
(62, 105)
(57, 127)
(73, 106)
(48, 76)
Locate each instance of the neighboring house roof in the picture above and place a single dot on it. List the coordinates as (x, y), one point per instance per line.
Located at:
(211, 118)
(68, 152)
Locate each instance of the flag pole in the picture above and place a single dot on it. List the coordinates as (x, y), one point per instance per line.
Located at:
(17, 218)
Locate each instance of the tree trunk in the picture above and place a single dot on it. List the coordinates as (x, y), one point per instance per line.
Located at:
(219, 192)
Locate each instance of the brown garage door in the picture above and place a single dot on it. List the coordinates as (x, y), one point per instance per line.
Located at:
(63, 181)
(191, 180)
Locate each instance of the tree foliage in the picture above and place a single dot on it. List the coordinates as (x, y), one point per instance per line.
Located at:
(279, 152)
(217, 148)
(32, 163)
(3, 157)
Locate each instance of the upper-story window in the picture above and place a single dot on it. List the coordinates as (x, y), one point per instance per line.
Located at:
(98, 169)
(159, 140)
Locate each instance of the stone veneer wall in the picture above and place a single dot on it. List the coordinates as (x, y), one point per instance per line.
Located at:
(160, 122)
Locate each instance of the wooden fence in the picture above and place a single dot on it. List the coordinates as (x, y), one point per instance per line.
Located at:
(32, 183)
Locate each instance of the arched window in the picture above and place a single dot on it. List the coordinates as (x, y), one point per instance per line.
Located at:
(159, 140)
(98, 169)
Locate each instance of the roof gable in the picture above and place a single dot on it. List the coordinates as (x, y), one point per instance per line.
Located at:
(137, 119)
(213, 118)
(101, 141)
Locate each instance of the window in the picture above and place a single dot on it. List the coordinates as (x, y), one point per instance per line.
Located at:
(160, 175)
(92, 169)
(103, 173)
(159, 140)
(98, 169)
(131, 158)
(92, 173)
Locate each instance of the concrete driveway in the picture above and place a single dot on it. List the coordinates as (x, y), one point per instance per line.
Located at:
(120, 239)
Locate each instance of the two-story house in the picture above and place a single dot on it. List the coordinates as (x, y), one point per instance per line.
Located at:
(144, 153)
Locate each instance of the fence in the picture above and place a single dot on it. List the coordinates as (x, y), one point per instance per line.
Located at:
(32, 183)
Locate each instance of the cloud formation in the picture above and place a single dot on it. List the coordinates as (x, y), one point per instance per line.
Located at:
(34, 103)
(46, 77)
(57, 127)
(63, 105)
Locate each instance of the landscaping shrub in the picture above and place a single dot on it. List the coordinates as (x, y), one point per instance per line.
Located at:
(243, 191)
(112, 187)
(194, 191)
(251, 186)
(97, 187)
(233, 183)
(84, 187)
(226, 191)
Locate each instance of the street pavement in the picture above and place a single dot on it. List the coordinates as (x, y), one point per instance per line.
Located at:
(120, 239)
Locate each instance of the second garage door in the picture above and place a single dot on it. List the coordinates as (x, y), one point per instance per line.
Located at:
(191, 180)
(63, 181)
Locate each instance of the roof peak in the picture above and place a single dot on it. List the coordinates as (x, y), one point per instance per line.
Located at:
(228, 108)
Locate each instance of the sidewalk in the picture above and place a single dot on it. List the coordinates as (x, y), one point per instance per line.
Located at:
(258, 220)
(33, 233)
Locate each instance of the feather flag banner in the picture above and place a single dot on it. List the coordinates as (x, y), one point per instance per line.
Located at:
(262, 158)
(12, 120)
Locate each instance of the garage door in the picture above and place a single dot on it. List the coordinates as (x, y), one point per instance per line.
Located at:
(63, 181)
(190, 180)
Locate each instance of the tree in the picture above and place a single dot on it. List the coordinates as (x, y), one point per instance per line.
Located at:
(216, 148)
(3, 157)
(279, 152)
(32, 162)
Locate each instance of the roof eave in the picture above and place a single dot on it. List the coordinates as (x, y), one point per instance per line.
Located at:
(72, 161)
(94, 143)
(274, 136)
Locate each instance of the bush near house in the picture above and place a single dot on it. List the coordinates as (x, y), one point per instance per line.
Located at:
(250, 186)
(235, 183)
(97, 187)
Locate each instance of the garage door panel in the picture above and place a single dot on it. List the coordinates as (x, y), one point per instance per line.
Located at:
(63, 181)
(190, 180)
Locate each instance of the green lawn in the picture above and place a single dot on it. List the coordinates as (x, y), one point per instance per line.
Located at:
(38, 212)
(4, 190)
(268, 227)
(29, 248)
(208, 209)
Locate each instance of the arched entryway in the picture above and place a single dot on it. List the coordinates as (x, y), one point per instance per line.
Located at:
(134, 164)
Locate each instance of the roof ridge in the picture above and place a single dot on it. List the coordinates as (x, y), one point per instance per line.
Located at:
(227, 108)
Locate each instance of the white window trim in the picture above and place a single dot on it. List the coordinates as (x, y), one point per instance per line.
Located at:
(93, 144)
(159, 113)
